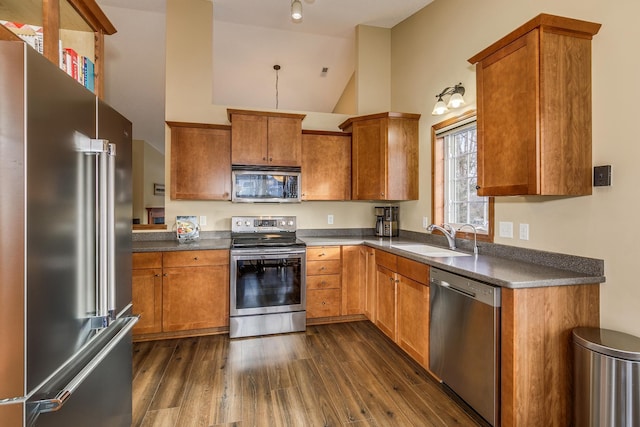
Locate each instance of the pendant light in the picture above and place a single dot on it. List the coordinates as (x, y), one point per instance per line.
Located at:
(296, 10)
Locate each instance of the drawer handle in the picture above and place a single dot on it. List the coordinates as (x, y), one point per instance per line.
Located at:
(156, 275)
(165, 275)
(323, 283)
(321, 268)
(324, 303)
(195, 258)
(322, 254)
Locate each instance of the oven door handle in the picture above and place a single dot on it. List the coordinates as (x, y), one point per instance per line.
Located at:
(266, 253)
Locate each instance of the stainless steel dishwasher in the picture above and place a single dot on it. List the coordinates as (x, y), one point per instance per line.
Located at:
(464, 340)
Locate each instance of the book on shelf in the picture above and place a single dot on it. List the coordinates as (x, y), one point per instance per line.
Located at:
(89, 74)
(31, 34)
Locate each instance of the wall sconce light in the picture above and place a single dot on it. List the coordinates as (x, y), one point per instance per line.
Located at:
(456, 100)
(296, 10)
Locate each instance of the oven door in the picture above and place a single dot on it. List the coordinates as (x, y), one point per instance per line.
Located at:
(267, 281)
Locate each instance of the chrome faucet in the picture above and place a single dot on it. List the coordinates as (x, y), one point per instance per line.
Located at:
(475, 233)
(448, 231)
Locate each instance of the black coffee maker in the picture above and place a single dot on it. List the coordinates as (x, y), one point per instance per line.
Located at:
(386, 221)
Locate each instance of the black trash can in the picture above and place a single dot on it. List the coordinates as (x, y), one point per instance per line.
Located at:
(606, 378)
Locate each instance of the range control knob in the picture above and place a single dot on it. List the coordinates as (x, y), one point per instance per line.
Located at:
(238, 223)
(283, 223)
(290, 223)
(247, 223)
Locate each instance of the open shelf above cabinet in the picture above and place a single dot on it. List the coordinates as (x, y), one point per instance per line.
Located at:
(79, 25)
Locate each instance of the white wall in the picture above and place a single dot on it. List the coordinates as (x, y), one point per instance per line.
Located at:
(430, 53)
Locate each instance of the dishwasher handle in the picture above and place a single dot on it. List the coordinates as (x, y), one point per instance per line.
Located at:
(469, 288)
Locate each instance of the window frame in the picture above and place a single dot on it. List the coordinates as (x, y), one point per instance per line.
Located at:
(438, 176)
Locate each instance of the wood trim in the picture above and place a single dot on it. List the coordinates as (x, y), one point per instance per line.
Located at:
(197, 125)
(93, 15)
(51, 24)
(149, 226)
(390, 114)
(181, 334)
(437, 179)
(324, 132)
(553, 23)
(231, 112)
(98, 70)
(6, 34)
(336, 319)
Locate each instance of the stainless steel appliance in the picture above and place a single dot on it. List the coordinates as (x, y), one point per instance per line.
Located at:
(386, 221)
(272, 184)
(464, 344)
(268, 277)
(65, 264)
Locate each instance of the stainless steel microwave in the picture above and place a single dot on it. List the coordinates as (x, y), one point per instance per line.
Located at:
(265, 184)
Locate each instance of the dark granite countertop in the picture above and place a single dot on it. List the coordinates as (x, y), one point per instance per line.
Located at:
(541, 269)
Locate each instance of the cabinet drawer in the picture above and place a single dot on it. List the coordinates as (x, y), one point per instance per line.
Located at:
(324, 281)
(413, 270)
(147, 260)
(323, 253)
(323, 267)
(387, 260)
(195, 258)
(323, 303)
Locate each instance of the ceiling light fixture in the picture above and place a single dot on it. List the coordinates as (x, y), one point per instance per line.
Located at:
(296, 10)
(456, 100)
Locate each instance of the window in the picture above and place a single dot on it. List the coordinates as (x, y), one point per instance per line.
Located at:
(454, 165)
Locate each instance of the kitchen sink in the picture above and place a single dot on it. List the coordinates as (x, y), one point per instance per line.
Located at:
(427, 250)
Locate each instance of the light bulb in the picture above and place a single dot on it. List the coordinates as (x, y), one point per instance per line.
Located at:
(455, 101)
(440, 108)
(296, 10)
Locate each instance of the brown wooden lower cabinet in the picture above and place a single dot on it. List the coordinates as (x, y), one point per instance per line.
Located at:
(386, 302)
(413, 310)
(370, 284)
(190, 291)
(146, 288)
(536, 355)
(335, 282)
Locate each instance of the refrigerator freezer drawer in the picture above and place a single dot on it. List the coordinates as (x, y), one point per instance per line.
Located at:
(95, 391)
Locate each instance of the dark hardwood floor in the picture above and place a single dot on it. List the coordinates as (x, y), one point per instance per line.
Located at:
(345, 374)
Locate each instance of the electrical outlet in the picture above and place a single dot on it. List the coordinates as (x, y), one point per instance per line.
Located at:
(329, 219)
(425, 221)
(203, 220)
(524, 231)
(506, 229)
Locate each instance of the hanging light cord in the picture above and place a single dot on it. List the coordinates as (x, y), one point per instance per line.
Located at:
(277, 68)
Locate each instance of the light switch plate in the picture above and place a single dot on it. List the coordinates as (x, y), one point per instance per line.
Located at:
(425, 221)
(203, 220)
(506, 229)
(329, 219)
(524, 231)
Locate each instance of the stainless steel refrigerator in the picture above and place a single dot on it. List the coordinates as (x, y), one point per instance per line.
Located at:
(65, 249)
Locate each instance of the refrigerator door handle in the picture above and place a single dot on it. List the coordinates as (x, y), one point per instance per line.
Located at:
(106, 241)
(57, 402)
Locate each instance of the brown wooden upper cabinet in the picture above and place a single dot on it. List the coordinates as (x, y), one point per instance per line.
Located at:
(326, 165)
(265, 138)
(200, 161)
(534, 109)
(384, 156)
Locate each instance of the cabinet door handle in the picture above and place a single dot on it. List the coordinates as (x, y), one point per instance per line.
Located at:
(322, 254)
(271, 159)
(324, 303)
(165, 275)
(323, 283)
(156, 275)
(477, 187)
(195, 258)
(321, 268)
(264, 158)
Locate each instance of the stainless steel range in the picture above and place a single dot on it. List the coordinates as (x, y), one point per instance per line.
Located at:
(268, 271)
